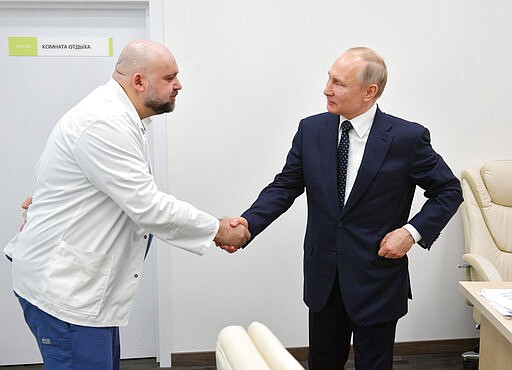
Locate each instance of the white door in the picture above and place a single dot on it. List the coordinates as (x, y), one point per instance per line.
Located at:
(36, 92)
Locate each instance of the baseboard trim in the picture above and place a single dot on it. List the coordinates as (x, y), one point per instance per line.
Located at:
(425, 347)
(430, 347)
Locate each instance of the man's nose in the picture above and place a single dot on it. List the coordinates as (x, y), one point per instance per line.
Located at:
(328, 89)
(177, 85)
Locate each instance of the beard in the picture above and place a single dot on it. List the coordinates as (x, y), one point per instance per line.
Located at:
(159, 107)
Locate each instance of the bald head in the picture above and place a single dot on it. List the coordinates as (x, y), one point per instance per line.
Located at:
(141, 56)
(147, 71)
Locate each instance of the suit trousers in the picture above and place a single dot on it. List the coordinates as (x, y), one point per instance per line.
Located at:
(330, 331)
(65, 346)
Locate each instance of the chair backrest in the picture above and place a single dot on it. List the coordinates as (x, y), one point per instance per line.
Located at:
(487, 214)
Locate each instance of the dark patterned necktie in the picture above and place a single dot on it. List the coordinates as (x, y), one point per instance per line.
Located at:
(342, 161)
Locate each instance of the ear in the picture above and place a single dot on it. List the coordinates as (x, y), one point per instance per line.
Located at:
(371, 92)
(138, 82)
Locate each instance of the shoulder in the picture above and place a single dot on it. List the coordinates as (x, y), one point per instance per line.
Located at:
(322, 117)
(105, 107)
(318, 121)
(101, 120)
(399, 126)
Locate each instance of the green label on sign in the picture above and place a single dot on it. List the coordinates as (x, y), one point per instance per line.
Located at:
(22, 46)
(110, 47)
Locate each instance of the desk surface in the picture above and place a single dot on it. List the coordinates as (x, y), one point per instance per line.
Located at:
(470, 290)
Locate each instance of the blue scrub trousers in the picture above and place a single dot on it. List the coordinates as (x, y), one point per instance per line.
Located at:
(67, 346)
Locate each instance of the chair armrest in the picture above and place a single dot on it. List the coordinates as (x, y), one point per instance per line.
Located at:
(484, 269)
(236, 351)
(271, 349)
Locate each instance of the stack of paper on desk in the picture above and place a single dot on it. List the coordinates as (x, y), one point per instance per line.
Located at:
(501, 299)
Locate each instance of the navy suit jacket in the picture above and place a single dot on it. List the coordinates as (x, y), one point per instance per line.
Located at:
(397, 158)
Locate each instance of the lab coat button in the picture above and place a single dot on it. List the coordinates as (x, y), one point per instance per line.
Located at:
(136, 276)
(145, 236)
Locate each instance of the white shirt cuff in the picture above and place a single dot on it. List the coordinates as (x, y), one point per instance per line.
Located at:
(414, 233)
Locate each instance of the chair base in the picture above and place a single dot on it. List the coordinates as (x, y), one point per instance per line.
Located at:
(470, 360)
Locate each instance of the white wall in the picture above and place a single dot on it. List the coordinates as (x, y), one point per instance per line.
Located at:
(251, 70)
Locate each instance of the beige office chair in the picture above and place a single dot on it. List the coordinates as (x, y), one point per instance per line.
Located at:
(487, 218)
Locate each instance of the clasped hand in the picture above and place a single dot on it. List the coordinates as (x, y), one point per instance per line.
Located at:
(233, 233)
(396, 243)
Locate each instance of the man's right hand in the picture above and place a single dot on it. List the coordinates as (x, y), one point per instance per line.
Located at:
(232, 234)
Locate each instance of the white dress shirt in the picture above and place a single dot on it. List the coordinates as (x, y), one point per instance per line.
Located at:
(358, 137)
(79, 257)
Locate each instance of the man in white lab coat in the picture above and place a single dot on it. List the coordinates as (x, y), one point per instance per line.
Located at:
(76, 264)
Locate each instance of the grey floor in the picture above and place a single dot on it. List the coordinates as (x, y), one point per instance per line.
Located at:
(423, 362)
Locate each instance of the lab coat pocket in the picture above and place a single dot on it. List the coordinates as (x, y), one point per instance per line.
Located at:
(76, 280)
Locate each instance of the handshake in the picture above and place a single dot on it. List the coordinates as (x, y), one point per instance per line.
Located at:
(233, 233)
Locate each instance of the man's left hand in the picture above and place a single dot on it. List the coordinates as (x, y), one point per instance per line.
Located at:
(396, 243)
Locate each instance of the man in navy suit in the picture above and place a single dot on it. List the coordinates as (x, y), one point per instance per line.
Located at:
(356, 279)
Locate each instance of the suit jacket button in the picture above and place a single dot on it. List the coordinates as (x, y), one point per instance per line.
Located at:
(339, 224)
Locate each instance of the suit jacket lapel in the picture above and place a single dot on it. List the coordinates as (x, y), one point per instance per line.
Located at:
(379, 140)
(328, 144)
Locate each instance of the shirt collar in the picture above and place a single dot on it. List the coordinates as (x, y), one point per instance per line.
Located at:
(363, 122)
(142, 124)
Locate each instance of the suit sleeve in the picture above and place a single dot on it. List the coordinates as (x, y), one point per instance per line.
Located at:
(442, 189)
(277, 197)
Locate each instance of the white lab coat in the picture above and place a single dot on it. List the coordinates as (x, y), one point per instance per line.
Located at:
(79, 257)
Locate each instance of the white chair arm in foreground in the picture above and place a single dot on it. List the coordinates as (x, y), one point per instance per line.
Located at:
(236, 351)
(274, 353)
(257, 350)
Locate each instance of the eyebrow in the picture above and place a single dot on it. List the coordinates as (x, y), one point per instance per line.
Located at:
(334, 78)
